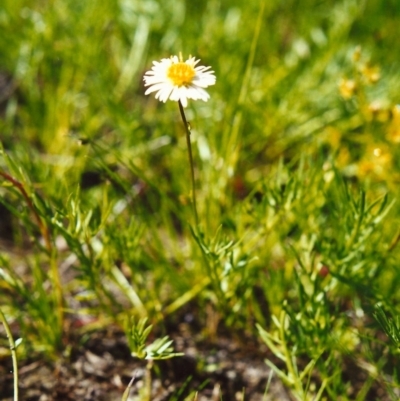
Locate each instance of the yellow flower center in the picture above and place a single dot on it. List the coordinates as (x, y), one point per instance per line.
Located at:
(181, 74)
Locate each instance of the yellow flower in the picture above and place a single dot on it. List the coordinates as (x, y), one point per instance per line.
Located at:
(377, 162)
(178, 80)
(393, 134)
(347, 88)
(371, 74)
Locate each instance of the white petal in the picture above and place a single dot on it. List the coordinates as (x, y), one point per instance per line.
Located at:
(155, 80)
(175, 94)
(183, 100)
(202, 94)
(155, 87)
(164, 94)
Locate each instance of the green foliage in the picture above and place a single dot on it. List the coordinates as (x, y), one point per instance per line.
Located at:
(157, 350)
(391, 326)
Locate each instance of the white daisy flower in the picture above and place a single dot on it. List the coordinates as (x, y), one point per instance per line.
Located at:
(175, 79)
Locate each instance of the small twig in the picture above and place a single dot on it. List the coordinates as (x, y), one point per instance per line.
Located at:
(47, 239)
(127, 390)
(13, 353)
(43, 228)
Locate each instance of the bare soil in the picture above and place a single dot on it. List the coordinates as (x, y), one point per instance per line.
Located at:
(99, 368)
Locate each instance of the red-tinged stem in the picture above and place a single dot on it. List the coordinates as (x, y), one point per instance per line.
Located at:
(31, 206)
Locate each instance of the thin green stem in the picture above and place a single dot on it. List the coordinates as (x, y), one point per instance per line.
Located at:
(148, 378)
(292, 370)
(13, 353)
(58, 291)
(189, 146)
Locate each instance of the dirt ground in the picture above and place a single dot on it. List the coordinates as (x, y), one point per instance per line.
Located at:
(99, 368)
